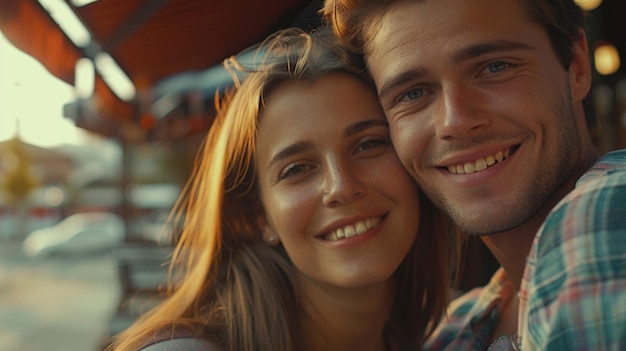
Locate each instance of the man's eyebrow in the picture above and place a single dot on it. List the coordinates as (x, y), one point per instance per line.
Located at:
(466, 53)
(481, 49)
(400, 79)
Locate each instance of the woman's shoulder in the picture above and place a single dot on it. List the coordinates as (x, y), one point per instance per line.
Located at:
(183, 344)
(179, 339)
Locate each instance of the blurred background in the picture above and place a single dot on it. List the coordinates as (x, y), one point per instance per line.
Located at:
(103, 105)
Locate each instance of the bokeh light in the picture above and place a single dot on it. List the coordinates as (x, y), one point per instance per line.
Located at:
(589, 5)
(606, 59)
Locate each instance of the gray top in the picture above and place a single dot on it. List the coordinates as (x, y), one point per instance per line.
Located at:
(182, 344)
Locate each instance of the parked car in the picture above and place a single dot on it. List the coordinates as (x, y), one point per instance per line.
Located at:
(77, 234)
(155, 228)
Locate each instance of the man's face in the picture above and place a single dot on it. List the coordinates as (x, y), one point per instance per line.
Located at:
(481, 112)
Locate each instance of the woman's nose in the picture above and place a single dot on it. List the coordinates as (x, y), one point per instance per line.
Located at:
(342, 185)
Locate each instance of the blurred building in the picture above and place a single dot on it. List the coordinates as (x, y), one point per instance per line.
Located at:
(33, 186)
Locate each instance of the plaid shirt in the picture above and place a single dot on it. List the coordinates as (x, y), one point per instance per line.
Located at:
(472, 318)
(573, 293)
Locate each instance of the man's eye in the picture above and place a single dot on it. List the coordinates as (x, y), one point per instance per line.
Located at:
(413, 94)
(497, 66)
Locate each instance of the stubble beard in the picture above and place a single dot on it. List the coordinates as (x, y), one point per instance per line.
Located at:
(536, 190)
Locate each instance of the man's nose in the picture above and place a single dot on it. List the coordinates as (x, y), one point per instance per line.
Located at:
(459, 113)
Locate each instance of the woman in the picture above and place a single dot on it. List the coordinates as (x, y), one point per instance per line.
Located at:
(302, 229)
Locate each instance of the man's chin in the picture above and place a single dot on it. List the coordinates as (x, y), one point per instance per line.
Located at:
(482, 223)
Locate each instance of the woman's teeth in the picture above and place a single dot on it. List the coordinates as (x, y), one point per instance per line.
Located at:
(351, 230)
(480, 164)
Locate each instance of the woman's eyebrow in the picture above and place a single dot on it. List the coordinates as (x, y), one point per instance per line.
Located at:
(290, 150)
(362, 125)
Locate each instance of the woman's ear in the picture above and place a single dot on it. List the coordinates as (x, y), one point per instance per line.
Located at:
(269, 236)
(268, 233)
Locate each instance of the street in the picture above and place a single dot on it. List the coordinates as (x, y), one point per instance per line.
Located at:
(56, 303)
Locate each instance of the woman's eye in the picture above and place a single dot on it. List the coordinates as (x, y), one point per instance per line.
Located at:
(412, 94)
(373, 143)
(497, 66)
(292, 170)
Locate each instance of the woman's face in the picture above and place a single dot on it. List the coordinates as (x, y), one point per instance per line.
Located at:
(333, 189)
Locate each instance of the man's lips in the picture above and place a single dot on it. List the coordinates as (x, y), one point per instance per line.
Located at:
(481, 163)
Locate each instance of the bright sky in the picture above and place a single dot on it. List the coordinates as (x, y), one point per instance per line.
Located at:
(30, 94)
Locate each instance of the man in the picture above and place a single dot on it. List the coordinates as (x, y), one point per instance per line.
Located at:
(487, 104)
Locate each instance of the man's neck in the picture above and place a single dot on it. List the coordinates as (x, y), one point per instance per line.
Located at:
(511, 248)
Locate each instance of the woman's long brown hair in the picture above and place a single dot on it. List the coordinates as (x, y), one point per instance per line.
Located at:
(230, 287)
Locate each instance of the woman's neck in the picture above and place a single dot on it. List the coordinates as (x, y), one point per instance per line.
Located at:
(342, 319)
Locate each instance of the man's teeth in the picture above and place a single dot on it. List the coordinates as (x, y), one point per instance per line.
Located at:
(480, 164)
(351, 230)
